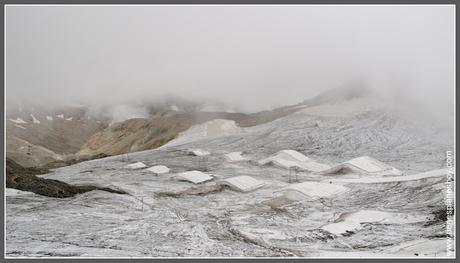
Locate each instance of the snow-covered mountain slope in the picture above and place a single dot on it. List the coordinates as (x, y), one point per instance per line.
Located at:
(389, 136)
(218, 222)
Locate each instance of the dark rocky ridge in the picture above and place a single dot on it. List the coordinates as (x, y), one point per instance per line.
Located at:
(25, 179)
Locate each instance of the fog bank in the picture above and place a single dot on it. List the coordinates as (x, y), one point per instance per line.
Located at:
(250, 57)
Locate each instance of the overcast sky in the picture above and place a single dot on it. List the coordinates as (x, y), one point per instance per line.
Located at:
(254, 57)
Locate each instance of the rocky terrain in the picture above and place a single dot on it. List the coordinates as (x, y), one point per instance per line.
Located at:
(293, 213)
(37, 136)
(25, 179)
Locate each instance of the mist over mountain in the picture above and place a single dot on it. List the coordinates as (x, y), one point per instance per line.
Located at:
(251, 58)
(230, 131)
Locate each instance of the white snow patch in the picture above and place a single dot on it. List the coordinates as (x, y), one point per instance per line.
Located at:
(211, 129)
(375, 180)
(198, 152)
(363, 165)
(316, 190)
(290, 158)
(49, 118)
(19, 126)
(352, 222)
(195, 177)
(18, 121)
(138, 165)
(158, 169)
(174, 108)
(242, 183)
(69, 119)
(35, 120)
(234, 157)
(60, 116)
(14, 192)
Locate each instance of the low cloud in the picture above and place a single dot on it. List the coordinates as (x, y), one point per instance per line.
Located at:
(250, 57)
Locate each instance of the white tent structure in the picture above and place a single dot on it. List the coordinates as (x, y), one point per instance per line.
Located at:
(158, 169)
(134, 166)
(363, 165)
(293, 159)
(242, 183)
(195, 177)
(234, 157)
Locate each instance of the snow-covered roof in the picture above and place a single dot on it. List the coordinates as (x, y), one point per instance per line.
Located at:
(138, 165)
(293, 156)
(158, 169)
(368, 164)
(242, 183)
(195, 177)
(290, 158)
(287, 155)
(363, 164)
(282, 162)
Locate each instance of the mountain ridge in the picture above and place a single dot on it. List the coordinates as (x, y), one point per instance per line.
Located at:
(68, 134)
